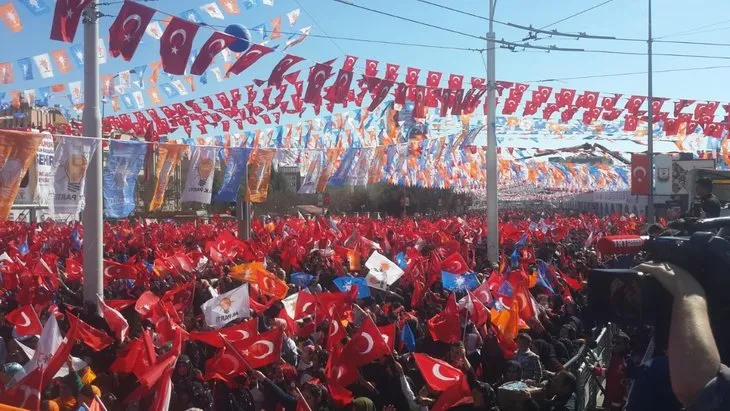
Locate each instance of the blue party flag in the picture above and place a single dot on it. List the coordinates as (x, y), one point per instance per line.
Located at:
(37, 7)
(170, 90)
(542, 278)
(261, 29)
(453, 281)
(192, 15)
(400, 259)
(249, 3)
(23, 249)
(26, 68)
(76, 239)
(302, 280)
(409, 340)
(346, 283)
(77, 54)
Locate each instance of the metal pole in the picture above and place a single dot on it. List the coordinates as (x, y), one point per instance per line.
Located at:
(243, 210)
(650, 125)
(93, 211)
(492, 210)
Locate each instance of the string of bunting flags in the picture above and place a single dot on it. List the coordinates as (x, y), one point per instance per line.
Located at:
(435, 163)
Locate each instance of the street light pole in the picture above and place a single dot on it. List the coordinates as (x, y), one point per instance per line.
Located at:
(650, 125)
(492, 210)
(92, 218)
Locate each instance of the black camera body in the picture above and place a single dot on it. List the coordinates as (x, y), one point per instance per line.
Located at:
(628, 297)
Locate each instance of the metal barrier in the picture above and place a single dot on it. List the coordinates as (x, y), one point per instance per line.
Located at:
(588, 386)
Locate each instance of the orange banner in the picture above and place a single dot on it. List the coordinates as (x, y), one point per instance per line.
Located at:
(168, 158)
(17, 152)
(259, 175)
(330, 165)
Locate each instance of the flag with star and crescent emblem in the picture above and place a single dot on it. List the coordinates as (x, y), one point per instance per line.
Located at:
(365, 346)
(215, 44)
(127, 30)
(262, 350)
(66, 19)
(175, 45)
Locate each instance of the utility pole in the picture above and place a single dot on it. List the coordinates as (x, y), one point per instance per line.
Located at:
(492, 210)
(650, 136)
(93, 217)
(243, 210)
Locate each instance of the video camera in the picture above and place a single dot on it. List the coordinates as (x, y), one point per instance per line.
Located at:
(629, 297)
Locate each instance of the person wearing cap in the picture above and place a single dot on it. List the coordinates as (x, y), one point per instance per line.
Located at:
(706, 204)
(11, 373)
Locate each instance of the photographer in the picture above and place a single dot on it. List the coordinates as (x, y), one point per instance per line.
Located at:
(698, 378)
(706, 204)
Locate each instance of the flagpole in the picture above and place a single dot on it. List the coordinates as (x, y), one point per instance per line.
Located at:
(93, 219)
(243, 209)
(492, 210)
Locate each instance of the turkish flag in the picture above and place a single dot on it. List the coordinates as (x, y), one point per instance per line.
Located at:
(181, 297)
(478, 313)
(236, 333)
(455, 81)
(634, 103)
(349, 64)
(272, 286)
(640, 174)
(262, 350)
(145, 302)
(115, 271)
(66, 19)
(317, 77)
(176, 43)
(93, 338)
(115, 320)
(565, 97)
(371, 68)
(25, 320)
(365, 346)
(479, 83)
(224, 366)
(306, 304)
(455, 264)
(338, 91)
(127, 30)
(380, 93)
(438, 375)
(412, 76)
(445, 327)
(335, 334)
(483, 292)
(215, 44)
(247, 59)
(277, 74)
(391, 71)
(433, 79)
(545, 93)
(681, 105)
(387, 332)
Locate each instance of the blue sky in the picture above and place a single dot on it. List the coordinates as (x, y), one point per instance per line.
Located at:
(622, 18)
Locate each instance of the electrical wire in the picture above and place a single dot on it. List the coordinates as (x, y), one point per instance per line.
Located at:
(692, 31)
(576, 14)
(634, 73)
(513, 46)
(320, 27)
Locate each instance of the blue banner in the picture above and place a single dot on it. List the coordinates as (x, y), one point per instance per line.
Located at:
(236, 163)
(37, 7)
(77, 54)
(120, 177)
(26, 68)
(348, 161)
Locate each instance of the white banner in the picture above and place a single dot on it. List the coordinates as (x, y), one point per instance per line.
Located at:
(199, 183)
(70, 161)
(227, 307)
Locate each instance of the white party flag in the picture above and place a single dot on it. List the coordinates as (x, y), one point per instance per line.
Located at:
(377, 263)
(293, 16)
(43, 61)
(213, 11)
(199, 183)
(227, 307)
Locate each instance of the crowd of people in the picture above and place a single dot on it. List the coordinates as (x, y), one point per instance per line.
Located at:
(498, 339)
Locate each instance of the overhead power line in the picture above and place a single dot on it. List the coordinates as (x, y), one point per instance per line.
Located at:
(634, 73)
(576, 14)
(514, 46)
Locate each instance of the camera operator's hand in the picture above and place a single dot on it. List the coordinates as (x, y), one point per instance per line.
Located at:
(694, 360)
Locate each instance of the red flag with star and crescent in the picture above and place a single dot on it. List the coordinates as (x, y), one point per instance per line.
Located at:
(66, 19)
(277, 74)
(247, 59)
(176, 43)
(365, 346)
(215, 44)
(438, 375)
(25, 320)
(262, 350)
(127, 30)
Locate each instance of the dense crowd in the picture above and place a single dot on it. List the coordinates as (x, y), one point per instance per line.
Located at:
(456, 330)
